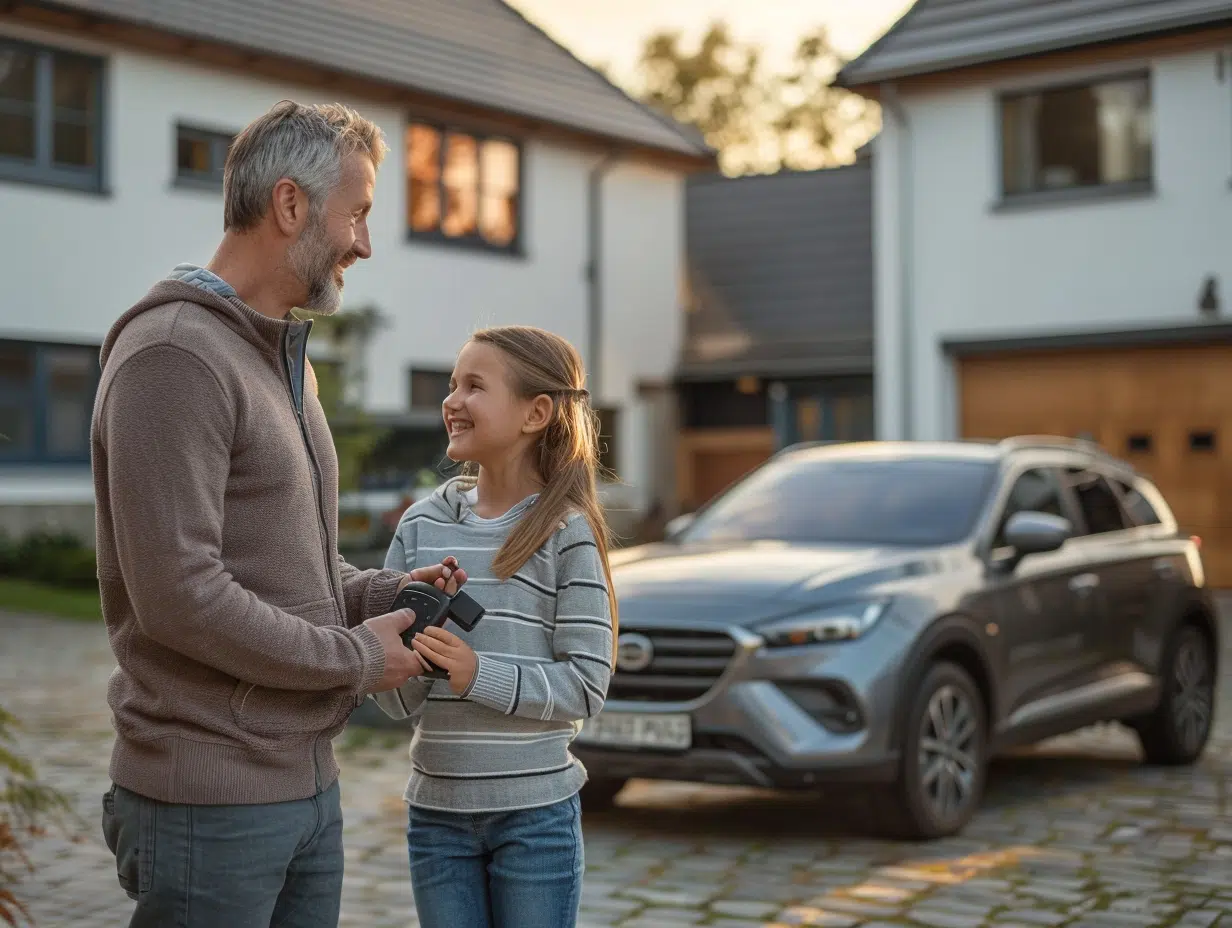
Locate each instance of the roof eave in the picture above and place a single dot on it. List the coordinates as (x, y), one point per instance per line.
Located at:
(867, 80)
(705, 159)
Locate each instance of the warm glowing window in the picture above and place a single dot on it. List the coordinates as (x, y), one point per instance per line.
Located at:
(463, 187)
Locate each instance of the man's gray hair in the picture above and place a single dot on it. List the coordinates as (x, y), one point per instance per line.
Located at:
(306, 143)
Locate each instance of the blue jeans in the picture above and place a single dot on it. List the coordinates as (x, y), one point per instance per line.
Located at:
(277, 865)
(518, 869)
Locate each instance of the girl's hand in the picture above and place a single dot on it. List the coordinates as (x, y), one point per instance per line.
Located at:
(450, 653)
(447, 576)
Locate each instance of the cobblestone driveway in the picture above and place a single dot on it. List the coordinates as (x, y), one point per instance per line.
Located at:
(1074, 832)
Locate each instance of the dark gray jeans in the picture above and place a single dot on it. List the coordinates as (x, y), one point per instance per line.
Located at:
(256, 866)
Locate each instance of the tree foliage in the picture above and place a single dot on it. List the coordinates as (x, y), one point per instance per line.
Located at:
(339, 377)
(27, 807)
(758, 121)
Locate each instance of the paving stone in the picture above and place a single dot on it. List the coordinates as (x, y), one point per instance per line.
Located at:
(941, 918)
(743, 909)
(808, 915)
(1199, 918)
(1033, 917)
(667, 897)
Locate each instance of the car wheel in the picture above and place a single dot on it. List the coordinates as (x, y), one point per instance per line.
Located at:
(1176, 732)
(944, 759)
(600, 793)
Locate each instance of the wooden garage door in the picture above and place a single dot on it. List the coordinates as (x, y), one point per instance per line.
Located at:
(1167, 410)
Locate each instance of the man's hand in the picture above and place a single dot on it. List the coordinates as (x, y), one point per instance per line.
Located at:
(447, 576)
(401, 663)
(450, 653)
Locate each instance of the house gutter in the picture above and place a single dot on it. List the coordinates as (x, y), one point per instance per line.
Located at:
(906, 258)
(594, 272)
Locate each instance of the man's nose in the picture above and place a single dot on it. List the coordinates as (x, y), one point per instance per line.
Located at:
(363, 243)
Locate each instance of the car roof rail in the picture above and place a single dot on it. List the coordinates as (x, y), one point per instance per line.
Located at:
(1060, 442)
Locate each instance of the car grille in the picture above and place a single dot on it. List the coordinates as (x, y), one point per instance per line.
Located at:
(685, 665)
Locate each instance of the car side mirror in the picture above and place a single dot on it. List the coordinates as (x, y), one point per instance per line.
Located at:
(1036, 533)
(676, 526)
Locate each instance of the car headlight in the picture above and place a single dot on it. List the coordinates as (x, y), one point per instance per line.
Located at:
(834, 623)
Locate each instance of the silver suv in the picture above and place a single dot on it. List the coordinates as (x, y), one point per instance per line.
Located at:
(890, 615)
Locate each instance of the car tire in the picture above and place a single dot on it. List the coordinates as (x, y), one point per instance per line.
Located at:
(600, 793)
(943, 769)
(1176, 732)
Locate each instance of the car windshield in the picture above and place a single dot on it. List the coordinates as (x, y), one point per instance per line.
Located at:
(811, 499)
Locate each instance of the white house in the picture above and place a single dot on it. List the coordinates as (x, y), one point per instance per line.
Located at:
(1053, 214)
(521, 187)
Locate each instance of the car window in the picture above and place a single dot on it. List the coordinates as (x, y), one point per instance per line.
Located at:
(1097, 500)
(811, 498)
(1033, 491)
(1138, 506)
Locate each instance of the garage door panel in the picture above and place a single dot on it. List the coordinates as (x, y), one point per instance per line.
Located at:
(1168, 411)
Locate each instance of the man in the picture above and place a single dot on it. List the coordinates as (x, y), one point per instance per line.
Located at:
(243, 640)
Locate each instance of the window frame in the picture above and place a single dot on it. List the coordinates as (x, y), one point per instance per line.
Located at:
(41, 394)
(1079, 193)
(216, 138)
(1123, 487)
(516, 247)
(410, 385)
(1082, 527)
(1001, 505)
(607, 434)
(42, 170)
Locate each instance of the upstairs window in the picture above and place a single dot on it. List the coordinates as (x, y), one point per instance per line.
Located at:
(200, 156)
(1079, 137)
(51, 116)
(463, 188)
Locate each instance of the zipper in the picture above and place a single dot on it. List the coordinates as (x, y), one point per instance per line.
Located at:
(316, 487)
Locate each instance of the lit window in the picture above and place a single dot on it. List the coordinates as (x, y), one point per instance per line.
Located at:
(463, 188)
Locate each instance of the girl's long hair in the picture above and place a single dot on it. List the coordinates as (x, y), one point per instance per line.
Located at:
(568, 450)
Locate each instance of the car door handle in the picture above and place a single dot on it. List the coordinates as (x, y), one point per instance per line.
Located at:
(1084, 583)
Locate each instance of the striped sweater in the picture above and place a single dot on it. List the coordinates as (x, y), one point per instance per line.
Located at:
(544, 651)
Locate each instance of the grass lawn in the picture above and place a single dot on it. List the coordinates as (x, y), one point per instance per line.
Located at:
(37, 598)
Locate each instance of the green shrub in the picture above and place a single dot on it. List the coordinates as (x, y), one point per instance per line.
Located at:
(46, 557)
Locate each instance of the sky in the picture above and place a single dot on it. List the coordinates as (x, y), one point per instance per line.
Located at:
(610, 32)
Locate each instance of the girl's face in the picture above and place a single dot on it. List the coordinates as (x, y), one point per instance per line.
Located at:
(487, 421)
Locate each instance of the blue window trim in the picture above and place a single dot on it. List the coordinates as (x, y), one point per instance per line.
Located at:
(38, 393)
(41, 170)
(219, 142)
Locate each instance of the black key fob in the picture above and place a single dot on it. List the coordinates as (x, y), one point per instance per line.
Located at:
(433, 607)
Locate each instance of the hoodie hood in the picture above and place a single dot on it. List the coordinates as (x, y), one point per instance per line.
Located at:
(449, 499)
(191, 284)
(453, 500)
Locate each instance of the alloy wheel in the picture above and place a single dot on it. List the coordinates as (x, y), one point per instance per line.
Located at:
(949, 752)
(1192, 694)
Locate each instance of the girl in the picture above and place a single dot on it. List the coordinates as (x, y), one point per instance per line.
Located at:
(495, 820)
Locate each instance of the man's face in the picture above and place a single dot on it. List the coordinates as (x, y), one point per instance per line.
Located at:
(335, 237)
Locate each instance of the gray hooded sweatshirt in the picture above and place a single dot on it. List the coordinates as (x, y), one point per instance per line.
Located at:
(544, 651)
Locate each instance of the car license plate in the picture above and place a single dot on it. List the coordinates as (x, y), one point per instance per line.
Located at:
(637, 730)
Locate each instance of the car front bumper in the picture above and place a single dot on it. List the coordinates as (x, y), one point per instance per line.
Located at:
(753, 728)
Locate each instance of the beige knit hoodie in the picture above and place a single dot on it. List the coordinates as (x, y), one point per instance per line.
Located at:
(235, 624)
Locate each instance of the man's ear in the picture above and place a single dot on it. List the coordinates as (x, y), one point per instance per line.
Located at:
(539, 414)
(289, 205)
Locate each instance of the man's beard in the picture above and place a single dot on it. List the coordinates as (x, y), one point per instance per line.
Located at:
(315, 263)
